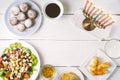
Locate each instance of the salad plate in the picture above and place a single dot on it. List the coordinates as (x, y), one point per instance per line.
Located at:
(28, 57)
(37, 21)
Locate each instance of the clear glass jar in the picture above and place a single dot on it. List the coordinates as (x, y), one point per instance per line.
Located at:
(48, 72)
(112, 48)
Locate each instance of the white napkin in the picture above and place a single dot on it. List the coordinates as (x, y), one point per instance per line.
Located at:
(100, 34)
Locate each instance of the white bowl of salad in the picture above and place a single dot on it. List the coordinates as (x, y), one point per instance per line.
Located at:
(19, 61)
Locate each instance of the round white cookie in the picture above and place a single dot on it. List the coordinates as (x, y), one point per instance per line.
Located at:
(21, 27)
(32, 14)
(15, 10)
(13, 21)
(21, 16)
(28, 23)
(24, 7)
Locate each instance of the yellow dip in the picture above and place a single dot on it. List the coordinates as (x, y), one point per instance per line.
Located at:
(48, 71)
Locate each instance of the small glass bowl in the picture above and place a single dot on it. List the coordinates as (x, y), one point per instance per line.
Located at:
(112, 48)
(47, 66)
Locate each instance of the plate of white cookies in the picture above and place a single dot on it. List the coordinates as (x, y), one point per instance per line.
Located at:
(23, 17)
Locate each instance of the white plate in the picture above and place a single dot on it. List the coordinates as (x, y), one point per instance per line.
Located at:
(29, 31)
(25, 44)
(77, 20)
(62, 70)
(112, 48)
(85, 65)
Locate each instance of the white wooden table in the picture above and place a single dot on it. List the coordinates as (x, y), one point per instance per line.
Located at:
(59, 42)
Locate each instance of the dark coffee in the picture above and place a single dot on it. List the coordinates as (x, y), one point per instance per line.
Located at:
(52, 10)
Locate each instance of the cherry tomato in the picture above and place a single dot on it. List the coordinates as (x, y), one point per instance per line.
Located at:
(8, 54)
(1, 66)
(7, 75)
(14, 51)
(16, 79)
(1, 59)
(26, 76)
(20, 53)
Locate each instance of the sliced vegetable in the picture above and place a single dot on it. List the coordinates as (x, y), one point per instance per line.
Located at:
(6, 67)
(1, 59)
(14, 51)
(20, 53)
(16, 78)
(26, 76)
(34, 60)
(1, 72)
(1, 66)
(6, 50)
(7, 75)
(21, 78)
(8, 54)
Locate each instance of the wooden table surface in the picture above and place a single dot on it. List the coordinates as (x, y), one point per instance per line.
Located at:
(59, 42)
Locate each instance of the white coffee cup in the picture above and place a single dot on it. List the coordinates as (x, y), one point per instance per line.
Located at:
(57, 2)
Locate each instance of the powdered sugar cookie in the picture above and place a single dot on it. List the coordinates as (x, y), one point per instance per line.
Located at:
(15, 10)
(21, 16)
(32, 14)
(13, 21)
(21, 27)
(24, 7)
(28, 23)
